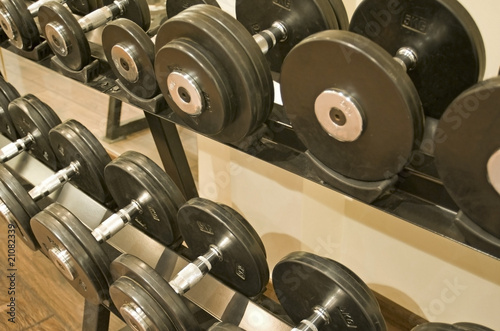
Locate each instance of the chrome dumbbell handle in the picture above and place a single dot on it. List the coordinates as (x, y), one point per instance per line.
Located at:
(116, 222)
(268, 38)
(102, 15)
(13, 149)
(54, 182)
(195, 271)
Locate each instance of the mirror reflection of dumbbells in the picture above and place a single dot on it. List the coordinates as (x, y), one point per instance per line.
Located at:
(32, 119)
(320, 294)
(366, 127)
(148, 199)
(83, 158)
(467, 155)
(8, 93)
(226, 245)
(205, 57)
(130, 51)
(450, 327)
(18, 22)
(66, 35)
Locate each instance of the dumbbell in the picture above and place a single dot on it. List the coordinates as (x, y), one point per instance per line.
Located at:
(32, 119)
(18, 23)
(355, 107)
(467, 153)
(83, 159)
(450, 327)
(213, 73)
(66, 35)
(130, 51)
(8, 93)
(321, 294)
(227, 247)
(148, 199)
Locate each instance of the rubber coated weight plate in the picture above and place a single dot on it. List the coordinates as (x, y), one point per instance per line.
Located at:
(466, 140)
(132, 176)
(259, 68)
(83, 236)
(6, 124)
(303, 281)
(339, 61)
(340, 13)
(302, 18)
(130, 269)
(19, 26)
(7, 94)
(72, 142)
(236, 91)
(8, 90)
(78, 50)
(44, 110)
(19, 201)
(191, 58)
(450, 50)
(95, 145)
(130, 54)
(138, 11)
(84, 7)
(243, 267)
(13, 212)
(249, 228)
(29, 120)
(174, 7)
(54, 237)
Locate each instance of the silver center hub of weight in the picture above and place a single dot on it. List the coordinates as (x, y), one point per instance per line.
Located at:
(124, 59)
(58, 38)
(185, 93)
(494, 170)
(339, 115)
(62, 260)
(7, 25)
(135, 317)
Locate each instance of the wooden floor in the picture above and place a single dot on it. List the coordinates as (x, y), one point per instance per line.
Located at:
(44, 300)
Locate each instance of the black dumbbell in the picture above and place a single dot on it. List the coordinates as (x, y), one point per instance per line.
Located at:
(8, 93)
(321, 294)
(32, 119)
(66, 35)
(467, 153)
(214, 74)
(130, 51)
(84, 160)
(450, 327)
(226, 245)
(354, 106)
(148, 199)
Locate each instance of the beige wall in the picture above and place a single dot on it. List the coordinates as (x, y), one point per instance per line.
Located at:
(432, 276)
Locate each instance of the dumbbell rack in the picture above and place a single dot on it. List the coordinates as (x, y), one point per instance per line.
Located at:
(418, 188)
(419, 198)
(168, 262)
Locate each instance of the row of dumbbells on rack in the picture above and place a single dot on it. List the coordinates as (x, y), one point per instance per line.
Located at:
(316, 293)
(364, 97)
